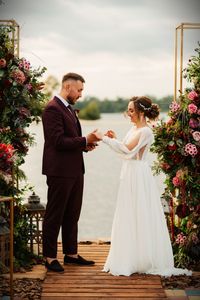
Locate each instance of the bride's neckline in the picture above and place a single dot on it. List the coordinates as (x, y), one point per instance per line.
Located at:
(137, 128)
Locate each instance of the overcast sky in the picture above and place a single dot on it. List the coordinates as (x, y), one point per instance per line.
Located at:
(122, 47)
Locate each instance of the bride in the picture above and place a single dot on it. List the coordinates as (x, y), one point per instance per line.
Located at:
(140, 240)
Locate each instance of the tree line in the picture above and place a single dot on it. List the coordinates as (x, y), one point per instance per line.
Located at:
(92, 107)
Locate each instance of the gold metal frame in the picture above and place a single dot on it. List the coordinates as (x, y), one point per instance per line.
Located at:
(11, 200)
(15, 44)
(15, 34)
(181, 27)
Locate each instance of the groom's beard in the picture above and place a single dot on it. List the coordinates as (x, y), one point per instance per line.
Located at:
(70, 101)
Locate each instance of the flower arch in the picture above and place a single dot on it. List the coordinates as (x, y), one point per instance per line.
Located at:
(21, 103)
(177, 144)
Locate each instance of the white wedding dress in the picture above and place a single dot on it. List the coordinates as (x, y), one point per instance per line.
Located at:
(140, 240)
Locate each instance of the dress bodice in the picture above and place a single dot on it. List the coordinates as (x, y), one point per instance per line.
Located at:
(146, 138)
(139, 152)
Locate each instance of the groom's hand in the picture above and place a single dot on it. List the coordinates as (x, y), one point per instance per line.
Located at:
(92, 137)
(91, 147)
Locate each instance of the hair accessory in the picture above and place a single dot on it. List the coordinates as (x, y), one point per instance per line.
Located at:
(144, 107)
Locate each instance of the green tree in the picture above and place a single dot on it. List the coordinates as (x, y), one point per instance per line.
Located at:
(91, 111)
(51, 85)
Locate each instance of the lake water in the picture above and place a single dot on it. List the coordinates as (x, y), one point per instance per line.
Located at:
(101, 177)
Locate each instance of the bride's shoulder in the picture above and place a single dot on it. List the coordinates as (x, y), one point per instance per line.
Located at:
(147, 128)
(146, 131)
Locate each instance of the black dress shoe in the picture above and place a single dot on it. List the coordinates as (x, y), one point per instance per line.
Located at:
(78, 261)
(54, 266)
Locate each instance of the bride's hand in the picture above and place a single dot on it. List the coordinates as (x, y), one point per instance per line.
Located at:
(98, 134)
(111, 134)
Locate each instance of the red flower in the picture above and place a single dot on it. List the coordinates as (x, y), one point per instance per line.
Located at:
(182, 210)
(176, 181)
(2, 63)
(7, 83)
(6, 153)
(165, 166)
(171, 146)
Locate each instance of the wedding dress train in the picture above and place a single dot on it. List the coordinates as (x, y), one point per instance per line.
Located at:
(140, 241)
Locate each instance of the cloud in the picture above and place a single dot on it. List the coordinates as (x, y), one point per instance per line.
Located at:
(107, 74)
(120, 46)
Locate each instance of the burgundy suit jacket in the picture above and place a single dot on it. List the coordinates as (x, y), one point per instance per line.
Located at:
(63, 141)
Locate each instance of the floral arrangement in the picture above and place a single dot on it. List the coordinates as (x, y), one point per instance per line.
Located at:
(21, 98)
(21, 103)
(6, 160)
(177, 144)
(20, 90)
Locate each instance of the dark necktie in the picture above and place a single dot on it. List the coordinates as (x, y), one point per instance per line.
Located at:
(72, 112)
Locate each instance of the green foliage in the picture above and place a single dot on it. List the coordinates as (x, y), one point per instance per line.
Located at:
(192, 72)
(177, 144)
(51, 85)
(90, 112)
(21, 103)
(21, 97)
(120, 104)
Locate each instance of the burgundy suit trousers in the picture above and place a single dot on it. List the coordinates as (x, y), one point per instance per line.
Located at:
(64, 203)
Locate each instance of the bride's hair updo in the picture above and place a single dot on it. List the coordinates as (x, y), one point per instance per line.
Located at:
(145, 105)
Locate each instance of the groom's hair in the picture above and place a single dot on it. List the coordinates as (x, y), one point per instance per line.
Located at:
(73, 76)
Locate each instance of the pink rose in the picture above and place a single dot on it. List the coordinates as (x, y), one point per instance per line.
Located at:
(18, 76)
(192, 108)
(28, 86)
(193, 123)
(195, 238)
(196, 136)
(198, 111)
(2, 63)
(176, 181)
(192, 95)
(170, 121)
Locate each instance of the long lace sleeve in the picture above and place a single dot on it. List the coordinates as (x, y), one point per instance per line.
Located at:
(145, 137)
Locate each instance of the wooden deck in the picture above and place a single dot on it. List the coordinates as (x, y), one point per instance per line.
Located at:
(89, 282)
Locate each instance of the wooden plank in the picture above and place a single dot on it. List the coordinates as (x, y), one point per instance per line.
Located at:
(100, 288)
(141, 295)
(50, 281)
(90, 282)
(94, 275)
(97, 286)
(82, 297)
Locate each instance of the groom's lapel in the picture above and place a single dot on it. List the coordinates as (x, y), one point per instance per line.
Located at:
(74, 119)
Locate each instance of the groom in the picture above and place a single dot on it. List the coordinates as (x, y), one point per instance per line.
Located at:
(64, 167)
